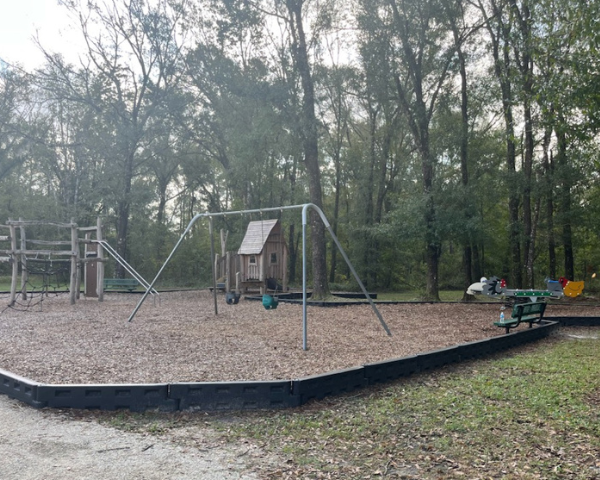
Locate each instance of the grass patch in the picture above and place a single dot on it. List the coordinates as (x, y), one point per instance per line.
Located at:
(413, 296)
(34, 283)
(527, 416)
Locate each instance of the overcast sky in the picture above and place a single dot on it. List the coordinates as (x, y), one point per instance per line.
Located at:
(21, 20)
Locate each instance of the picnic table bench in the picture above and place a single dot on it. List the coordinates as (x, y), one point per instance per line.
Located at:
(121, 283)
(523, 312)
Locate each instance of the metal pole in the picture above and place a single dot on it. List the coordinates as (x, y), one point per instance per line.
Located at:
(304, 309)
(212, 262)
(362, 287)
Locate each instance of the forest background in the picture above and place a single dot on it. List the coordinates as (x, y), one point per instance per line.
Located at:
(445, 140)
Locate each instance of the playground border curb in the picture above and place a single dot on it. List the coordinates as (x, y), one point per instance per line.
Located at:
(262, 395)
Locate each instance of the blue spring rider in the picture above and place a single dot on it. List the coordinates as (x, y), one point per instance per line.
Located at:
(269, 302)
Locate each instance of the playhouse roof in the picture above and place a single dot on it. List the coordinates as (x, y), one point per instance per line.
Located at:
(256, 236)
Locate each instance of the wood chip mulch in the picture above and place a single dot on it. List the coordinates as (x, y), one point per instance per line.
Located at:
(181, 339)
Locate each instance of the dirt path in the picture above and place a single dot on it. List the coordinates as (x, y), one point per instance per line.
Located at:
(42, 445)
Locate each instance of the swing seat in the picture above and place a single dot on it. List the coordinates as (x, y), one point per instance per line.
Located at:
(232, 298)
(269, 302)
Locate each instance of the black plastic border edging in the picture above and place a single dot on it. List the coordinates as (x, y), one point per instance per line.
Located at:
(19, 388)
(136, 398)
(233, 395)
(251, 395)
(577, 321)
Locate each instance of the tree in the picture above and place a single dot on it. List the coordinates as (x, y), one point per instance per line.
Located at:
(283, 23)
(565, 40)
(418, 36)
(499, 25)
(13, 123)
(457, 12)
(310, 140)
(131, 62)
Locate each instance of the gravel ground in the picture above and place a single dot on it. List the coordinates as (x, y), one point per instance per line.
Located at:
(41, 445)
(182, 340)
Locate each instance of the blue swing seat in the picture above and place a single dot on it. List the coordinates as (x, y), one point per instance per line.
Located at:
(269, 302)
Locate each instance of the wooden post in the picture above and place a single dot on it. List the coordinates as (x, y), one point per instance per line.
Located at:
(100, 263)
(24, 271)
(78, 270)
(213, 256)
(261, 271)
(74, 262)
(284, 266)
(217, 266)
(224, 235)
(227, 271)
(91, 267)
(15, 265)
(73, 276)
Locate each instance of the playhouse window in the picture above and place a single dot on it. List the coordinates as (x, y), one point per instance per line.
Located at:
(252, 260)
(273, 258)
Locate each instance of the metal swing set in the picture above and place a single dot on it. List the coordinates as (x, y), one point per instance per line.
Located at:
(305, 208)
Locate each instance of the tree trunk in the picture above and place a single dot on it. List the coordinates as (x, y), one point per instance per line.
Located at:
(293, 248)
(368, 249)
(464, 161)
(433, 244)
(431, 236)
(477, 260)
(523, 56)
(548, 177)
(123, 210)
(310, 142)
(500, 36)
(532, 236)
(417, 102)
(293, 242)
(382, 187)
(528, 226)
(433, 249)
(336, 212)
(565, 196)
(514, 235)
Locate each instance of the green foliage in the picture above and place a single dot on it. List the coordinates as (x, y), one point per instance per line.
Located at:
(216, 124)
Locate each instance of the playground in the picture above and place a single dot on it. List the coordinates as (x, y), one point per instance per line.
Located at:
(223, 333)
(181, 339)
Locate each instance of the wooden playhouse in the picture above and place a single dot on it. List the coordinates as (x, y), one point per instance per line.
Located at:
(259, 264)
(263, 257)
